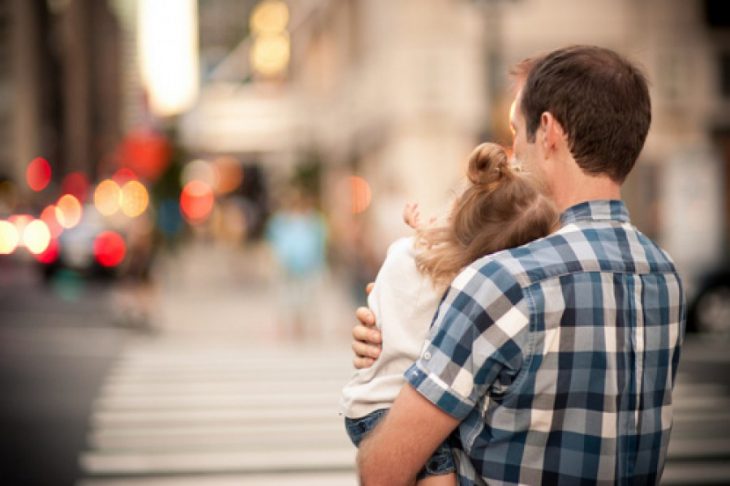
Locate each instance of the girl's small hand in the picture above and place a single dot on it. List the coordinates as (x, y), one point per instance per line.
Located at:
(411, 215)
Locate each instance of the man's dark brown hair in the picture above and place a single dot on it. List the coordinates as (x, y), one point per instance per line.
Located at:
(599, 98)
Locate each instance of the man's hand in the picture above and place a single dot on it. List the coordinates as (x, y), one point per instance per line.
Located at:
(400, 445)
(367, 338)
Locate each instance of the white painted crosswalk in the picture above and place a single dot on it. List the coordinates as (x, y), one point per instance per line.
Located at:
(175, 412)
(699, 449)
(187, 413)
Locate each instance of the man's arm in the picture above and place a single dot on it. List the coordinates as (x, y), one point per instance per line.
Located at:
(400, 445)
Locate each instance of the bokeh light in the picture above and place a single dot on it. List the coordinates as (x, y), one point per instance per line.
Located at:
(134, 199)
(360, 193)
(123, 175)
(68, 211)
(269, 17)
(271, 48)
(109, 249)
(38, 174)
(230, 174)
(106, 197)
(50, 254)
(36, 236)
(196, 201)
(20, 221)
(49, 216)
(76, 184)
(200, 170)
(270, 54)
(168, 54)
(9, 238)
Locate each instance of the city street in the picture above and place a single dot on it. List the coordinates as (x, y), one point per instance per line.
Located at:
(210, 392)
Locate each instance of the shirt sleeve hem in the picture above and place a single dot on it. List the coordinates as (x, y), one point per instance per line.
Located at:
(435, 391)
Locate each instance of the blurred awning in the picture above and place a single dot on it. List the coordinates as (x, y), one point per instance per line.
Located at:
(243, 119)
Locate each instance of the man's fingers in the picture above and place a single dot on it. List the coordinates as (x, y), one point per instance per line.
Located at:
(365, 316)
(366, 351)
(361, 363)
(369, 288)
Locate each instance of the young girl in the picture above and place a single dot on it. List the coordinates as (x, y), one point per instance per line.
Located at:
(501, 208)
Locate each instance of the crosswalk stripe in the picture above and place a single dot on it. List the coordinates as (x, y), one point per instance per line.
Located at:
(705, 472)
(241, 400)
(276, 479)
(219, 461)
(191, 441)
(182, 411)
(185, 432)
(699, 448)
(211, 416)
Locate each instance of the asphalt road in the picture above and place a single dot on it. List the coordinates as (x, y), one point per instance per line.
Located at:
(57, 343)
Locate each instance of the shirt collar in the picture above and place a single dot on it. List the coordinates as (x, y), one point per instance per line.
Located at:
(600, 210)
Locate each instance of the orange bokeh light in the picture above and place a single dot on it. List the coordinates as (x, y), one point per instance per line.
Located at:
(230, 175)
(360, 194)
(134, 199)
(38, 174)
(49, 217)
(36, 236)
(68, 211)
(107, 196)
(109, 249)
(9, 238)
(196, 201)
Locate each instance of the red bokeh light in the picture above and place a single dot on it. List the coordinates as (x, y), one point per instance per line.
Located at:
(50, 254)
(49, 217)
(76, 184)
(147, 153)
(124, 175)
(38, 174)
(196, 201)
(109, 249)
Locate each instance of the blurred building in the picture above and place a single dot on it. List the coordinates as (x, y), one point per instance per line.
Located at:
(399, 94)
(59, 89)
(392, 92)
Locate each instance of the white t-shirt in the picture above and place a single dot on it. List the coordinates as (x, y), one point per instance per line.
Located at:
(404, 302)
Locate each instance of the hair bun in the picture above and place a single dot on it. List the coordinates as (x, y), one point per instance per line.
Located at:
(488, 163)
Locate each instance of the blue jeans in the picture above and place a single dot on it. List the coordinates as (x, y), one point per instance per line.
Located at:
(441, 462)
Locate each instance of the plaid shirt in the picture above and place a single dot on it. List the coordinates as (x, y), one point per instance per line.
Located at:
(559, 357)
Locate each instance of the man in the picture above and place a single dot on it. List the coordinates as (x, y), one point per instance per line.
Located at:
(554, 362)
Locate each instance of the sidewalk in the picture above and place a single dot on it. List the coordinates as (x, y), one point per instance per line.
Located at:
(213, 292)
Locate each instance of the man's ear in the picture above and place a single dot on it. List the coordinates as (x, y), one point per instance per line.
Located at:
(552, 133)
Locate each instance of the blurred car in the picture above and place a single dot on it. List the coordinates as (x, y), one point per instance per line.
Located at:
(709, 311)
(95, 247)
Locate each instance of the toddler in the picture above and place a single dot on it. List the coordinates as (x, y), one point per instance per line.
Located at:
(501, 208)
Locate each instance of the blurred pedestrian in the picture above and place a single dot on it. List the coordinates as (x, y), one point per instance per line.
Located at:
(297, 233)
(501, 208)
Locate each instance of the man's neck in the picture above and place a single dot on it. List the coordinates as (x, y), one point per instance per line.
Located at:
(582, 188)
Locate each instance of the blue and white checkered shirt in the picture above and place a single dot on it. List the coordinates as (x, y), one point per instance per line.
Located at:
(559, 357)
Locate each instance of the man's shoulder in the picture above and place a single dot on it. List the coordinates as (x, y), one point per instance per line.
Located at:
(574, 249)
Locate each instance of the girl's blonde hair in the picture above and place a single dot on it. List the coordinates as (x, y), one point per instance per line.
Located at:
(502, 208)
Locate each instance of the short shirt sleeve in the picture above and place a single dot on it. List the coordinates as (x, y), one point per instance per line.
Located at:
(478, 340)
